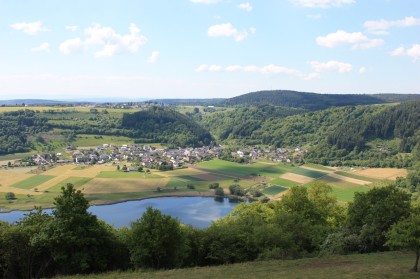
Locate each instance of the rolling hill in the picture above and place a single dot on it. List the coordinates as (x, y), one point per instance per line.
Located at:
(315, 101)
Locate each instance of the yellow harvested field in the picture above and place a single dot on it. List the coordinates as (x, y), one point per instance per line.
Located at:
(18, 170)
(382, 173)
(348, 179)
(8, 178)
(123, 185)
(314, 169)
(71, 170)
(297, 178)
(18, 191)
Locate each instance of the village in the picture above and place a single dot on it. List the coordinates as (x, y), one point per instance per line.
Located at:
(151, 157)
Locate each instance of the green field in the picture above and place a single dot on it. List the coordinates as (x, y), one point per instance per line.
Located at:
(257, 168)
(374, 265)
(284, 182)
(175, 183)
(92, 140)
(308, 173)
(274, 190)
(32, 182)
(319, 167)
(131, 174)
(190, 178)
(343, 190)
(76, 181)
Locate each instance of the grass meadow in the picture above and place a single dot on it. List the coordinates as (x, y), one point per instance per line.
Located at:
(374, 265)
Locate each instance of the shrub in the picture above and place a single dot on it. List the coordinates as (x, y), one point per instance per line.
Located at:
(219, 192)
(10, 196)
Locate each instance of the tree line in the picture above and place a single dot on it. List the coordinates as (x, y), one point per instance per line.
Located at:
(306, 222)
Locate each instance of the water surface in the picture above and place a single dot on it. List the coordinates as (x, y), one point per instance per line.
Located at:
(196, 211)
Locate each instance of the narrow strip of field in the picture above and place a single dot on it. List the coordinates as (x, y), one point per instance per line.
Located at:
(33, 181)
(274, 190)
(284, 182)
(348, 179)
(297, 178)
(352, 175)
(122, 174)
(317, 167)
(309, 173)
(195, 178)
(311, 168)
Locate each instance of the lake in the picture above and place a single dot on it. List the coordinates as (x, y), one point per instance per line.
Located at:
(196, 211)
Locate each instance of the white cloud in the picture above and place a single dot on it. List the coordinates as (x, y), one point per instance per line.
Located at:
(398, 52)
(205, 1)
(227, 30)
(202, 68)
(331, 65)
(356, 39)
(71, 46)
(153, 57)
(246, 6)
(269, 69)
(214, 68)
(43, 47)
(29, 28)
(362, 70)
(382, 26)
(413, 52)
(72, 27)
(111, 42)
(312, 76)
(322, 3)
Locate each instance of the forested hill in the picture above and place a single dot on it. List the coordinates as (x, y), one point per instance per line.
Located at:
(314, 101)
(166, 126)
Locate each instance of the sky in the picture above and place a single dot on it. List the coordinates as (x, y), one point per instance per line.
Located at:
(153, 49)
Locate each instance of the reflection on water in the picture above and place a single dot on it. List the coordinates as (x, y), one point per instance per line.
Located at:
(196, 211)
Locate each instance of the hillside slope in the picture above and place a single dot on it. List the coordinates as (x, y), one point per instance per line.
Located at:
(314, 101)
(375, 265)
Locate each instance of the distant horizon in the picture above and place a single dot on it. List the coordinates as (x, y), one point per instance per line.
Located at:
(116, 99)
(193, 49)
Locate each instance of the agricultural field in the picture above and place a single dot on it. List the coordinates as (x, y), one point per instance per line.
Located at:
(105, 184)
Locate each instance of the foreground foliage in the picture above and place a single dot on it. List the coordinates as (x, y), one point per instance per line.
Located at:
(307, 222)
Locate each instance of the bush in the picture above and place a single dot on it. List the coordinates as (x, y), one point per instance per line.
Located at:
(10, 196)
(190, 186)
(219, 192)
(236, 190)
(214, 185)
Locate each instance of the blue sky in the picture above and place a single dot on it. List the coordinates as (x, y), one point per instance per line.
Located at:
(206, 48)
